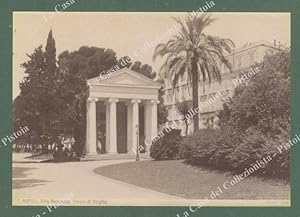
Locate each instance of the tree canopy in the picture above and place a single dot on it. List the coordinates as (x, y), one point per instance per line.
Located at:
(259, 114)
(264, 103)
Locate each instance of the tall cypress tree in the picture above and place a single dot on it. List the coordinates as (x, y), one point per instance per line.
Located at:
(51, 54)
(50, 122)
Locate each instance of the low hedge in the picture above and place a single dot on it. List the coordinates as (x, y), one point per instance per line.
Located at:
(232, 150)
(168, 146)
(209, 147)
(255, 147)
(226, 149)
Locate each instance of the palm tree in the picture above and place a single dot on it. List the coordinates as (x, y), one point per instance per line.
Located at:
(191, 50)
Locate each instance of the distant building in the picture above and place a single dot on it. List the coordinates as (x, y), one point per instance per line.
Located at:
(241, 60)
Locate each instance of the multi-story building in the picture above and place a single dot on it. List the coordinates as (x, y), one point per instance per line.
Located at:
(241, 60)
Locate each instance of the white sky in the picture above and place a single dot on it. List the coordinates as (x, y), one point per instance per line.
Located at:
(126, 32)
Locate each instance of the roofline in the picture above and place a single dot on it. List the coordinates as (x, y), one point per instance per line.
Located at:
(135, 74)
(125, 85)
(241, 49)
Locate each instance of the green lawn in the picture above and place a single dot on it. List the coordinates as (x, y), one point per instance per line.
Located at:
(179, 179)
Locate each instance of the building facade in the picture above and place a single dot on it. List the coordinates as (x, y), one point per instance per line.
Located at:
(126, 103)
(241, 59)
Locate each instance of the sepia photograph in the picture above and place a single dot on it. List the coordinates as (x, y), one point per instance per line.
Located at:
(185, 109)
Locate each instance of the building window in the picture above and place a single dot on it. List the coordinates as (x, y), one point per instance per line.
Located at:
(182, 79)
(203, 106)
(182, 93)
(240, 61)
(169, 83)
(170, 97)
(212, 105)
(174, 112)
(188, 93)
(210, 122)
(203, 98)
(225, 68)
(251, 57)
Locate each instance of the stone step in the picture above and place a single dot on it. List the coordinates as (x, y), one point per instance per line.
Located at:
(99, 157)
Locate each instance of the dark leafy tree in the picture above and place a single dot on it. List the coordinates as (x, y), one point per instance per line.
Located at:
(76, 67)
(125, 61)
(264, 102)
(145, 69)
(260, 110)
(28, 105)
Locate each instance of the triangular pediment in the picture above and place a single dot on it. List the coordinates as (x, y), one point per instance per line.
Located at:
(124, 77)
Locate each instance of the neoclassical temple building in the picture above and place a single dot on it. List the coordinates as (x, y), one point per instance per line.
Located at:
(122, 108)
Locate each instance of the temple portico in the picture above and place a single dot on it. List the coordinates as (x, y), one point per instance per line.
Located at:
(131, 92)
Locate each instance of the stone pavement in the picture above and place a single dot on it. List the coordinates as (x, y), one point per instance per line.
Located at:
(76, 184)
(49, 183)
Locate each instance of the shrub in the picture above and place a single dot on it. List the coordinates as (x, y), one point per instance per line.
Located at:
(229, 149)
(199, 147)
(264, 100)
(229, 139)
(210, 147)
(255, 147)
(167, 147)
(260, 110)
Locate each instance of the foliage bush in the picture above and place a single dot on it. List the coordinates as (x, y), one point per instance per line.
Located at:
(210, 147)
(168, 146)
(232, 150)
(200, 147)
(255, 147)
(261, 110)
(252, 124)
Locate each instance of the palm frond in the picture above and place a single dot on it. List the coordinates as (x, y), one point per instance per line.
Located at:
(192, 44)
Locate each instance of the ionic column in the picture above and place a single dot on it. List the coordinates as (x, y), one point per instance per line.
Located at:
(147, 124)
(129, 126)
(111, 126)
(91, 136)
(154, 117)
(132, 124)
(87, 127)
(150, 122)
